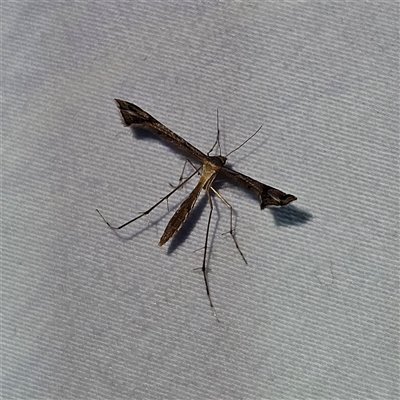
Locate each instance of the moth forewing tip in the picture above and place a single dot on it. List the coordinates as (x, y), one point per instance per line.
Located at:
(289, 198)
(121, 104)
(275, 198)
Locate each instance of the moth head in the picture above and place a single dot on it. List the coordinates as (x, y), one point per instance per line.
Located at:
(219, 161)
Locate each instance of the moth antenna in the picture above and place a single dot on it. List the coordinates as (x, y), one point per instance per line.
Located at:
(237, 148)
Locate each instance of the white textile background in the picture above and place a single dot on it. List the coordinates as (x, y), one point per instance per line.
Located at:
(90, 315)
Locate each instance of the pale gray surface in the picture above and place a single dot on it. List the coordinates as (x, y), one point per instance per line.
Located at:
(89, 316)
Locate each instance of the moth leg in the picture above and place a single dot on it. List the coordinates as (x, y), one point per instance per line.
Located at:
(181, 178)
(231, 230)
(114, 228)
(204, 267)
